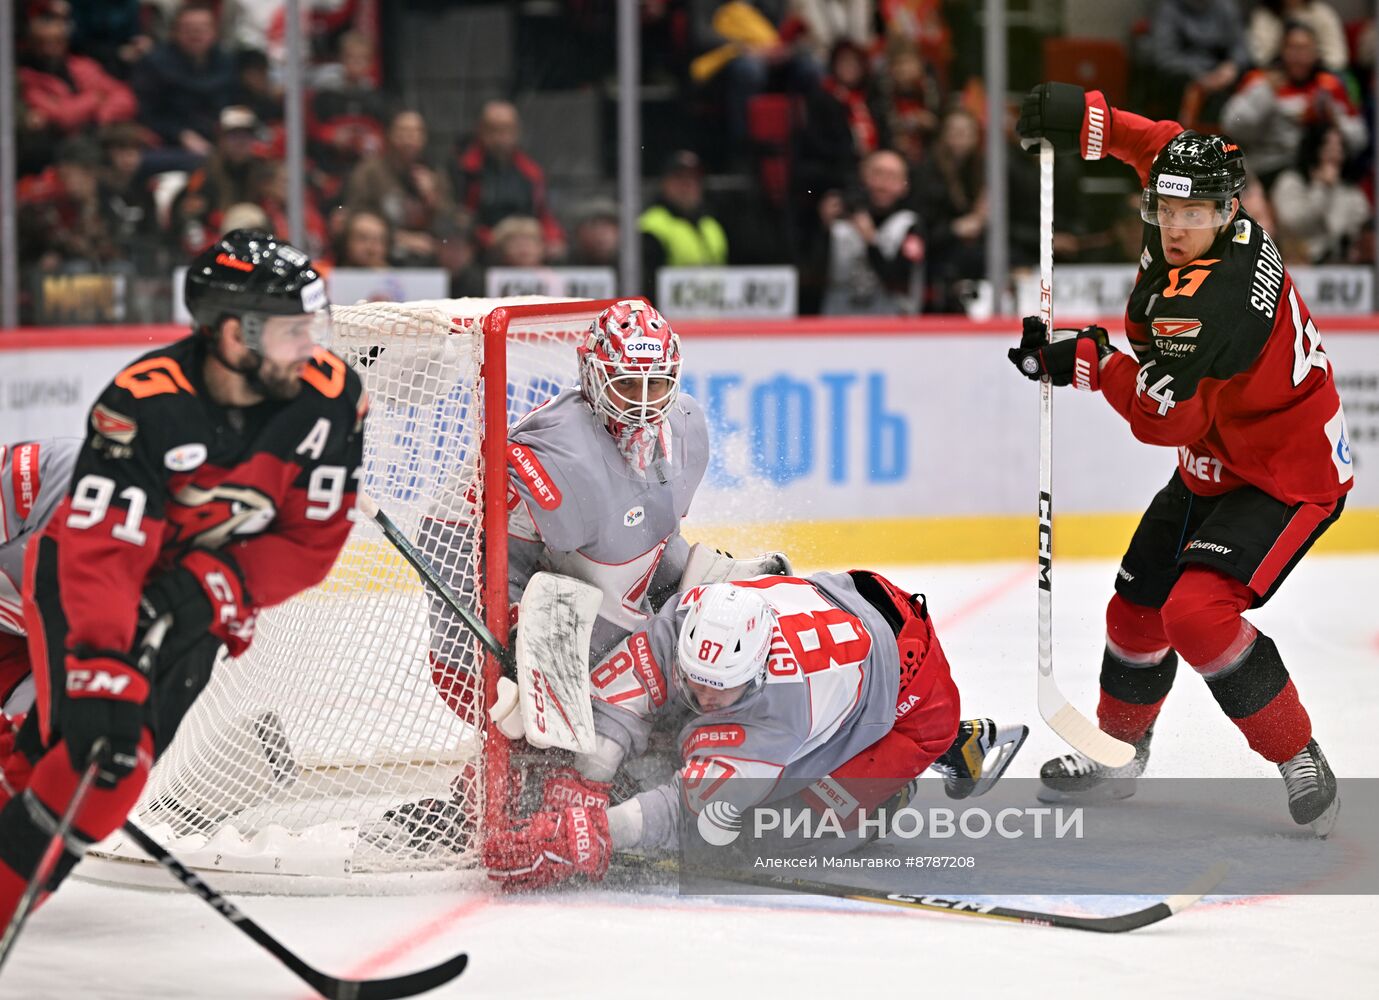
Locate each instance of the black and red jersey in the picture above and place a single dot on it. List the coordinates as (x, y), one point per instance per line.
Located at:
(165, 469)
(1229, 367)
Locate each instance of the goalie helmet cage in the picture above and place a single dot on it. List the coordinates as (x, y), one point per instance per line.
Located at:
(280, 774)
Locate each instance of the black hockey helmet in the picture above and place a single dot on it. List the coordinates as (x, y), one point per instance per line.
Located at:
(1199, 167)
(252, 275)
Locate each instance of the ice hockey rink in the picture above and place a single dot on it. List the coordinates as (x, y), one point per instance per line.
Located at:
(95, 941)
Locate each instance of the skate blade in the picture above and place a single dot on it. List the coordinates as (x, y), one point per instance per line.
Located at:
(1326, 822)
(1111, 790)
(1009, 740)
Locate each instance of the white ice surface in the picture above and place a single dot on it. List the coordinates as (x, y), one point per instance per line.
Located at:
(94, 941)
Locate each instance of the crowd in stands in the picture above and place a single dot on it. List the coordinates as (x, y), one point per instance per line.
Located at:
(856, 127)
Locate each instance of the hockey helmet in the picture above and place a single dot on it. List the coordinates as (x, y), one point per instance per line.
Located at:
(725, 640)
(629, 365)
(1194, 167)
(253, 276)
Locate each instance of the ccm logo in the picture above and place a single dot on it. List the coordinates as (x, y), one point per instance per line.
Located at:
(96, 682)
(1173, 185)
(538, 700)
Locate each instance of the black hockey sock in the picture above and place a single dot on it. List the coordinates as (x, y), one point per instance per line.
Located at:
(1259, 697)
(1132, 694)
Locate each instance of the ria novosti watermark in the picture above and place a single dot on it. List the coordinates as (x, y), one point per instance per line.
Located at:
(721, 823)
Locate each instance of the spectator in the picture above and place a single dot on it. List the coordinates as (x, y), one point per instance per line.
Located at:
(517, 242)
(268, 190)
(867, 259)
(346, 120)
(828, 22)
(1270, 17)
(1318, 208)
(676, 230)
(921, 25)
(1274, 106)
(126, 195)
(1198, 44)
(595, 241)
(459, 255)
(111, 32)
(841, 125)
(60, 220)
(951, 197)
(494, 179)
(254, 86)
(365, 239)
(182, 85)
(399, 185)
(64, 93)
(910, 101)
(740, 44)
(221, 181)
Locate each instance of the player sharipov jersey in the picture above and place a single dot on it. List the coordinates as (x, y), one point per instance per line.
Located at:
(1229, 366)
(34, 476)
(165, 469)
(832, 678)
(577, 508)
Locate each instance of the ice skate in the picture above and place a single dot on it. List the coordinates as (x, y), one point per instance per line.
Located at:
(1075, 777)
(980, 754)
(1312, 798)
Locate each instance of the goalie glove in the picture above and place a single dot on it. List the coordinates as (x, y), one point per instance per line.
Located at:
(203, 592)
(550, 847)
(707, 565)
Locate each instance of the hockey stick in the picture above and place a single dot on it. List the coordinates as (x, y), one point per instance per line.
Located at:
(1076, 729)
(48, 861)
(552, 645)
(1117, 924)
(152, 642)
(328, 986)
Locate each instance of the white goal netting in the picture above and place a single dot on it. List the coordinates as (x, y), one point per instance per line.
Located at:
(290, 760)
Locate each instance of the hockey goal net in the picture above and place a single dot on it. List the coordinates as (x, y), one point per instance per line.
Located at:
(298, 749)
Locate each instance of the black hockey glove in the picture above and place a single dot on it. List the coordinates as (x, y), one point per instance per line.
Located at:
(203, 592)
(1074, 357)
(105, 697)
(1053, 111)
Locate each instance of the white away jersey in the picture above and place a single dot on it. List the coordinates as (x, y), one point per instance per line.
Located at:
(576, 507)
(34, 476)
(832, 678)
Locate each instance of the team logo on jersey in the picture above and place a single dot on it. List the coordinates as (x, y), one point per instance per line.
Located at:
(634, 517)
(24, 473)
(113, 426)
(185, 457)
(720, 823)
(538, 480)
(209, 517)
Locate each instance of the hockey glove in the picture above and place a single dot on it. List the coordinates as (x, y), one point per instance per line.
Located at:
(1073, 358)
(105, 698)
(203, 592)
(565, 787)
(1057, 112)
(550, 847)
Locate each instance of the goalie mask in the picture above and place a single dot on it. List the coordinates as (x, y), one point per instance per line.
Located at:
(1193, 167)
(724, 643)
(273, 290)
(629, 374)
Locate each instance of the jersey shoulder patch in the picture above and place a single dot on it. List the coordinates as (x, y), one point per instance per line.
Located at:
(532, 474)
(149, 396)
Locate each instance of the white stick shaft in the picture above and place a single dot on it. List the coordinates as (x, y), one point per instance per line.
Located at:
(1046, 414)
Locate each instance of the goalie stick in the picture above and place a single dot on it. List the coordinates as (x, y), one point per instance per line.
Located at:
(1076, 729)
(1116, 924)
(328, 986)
